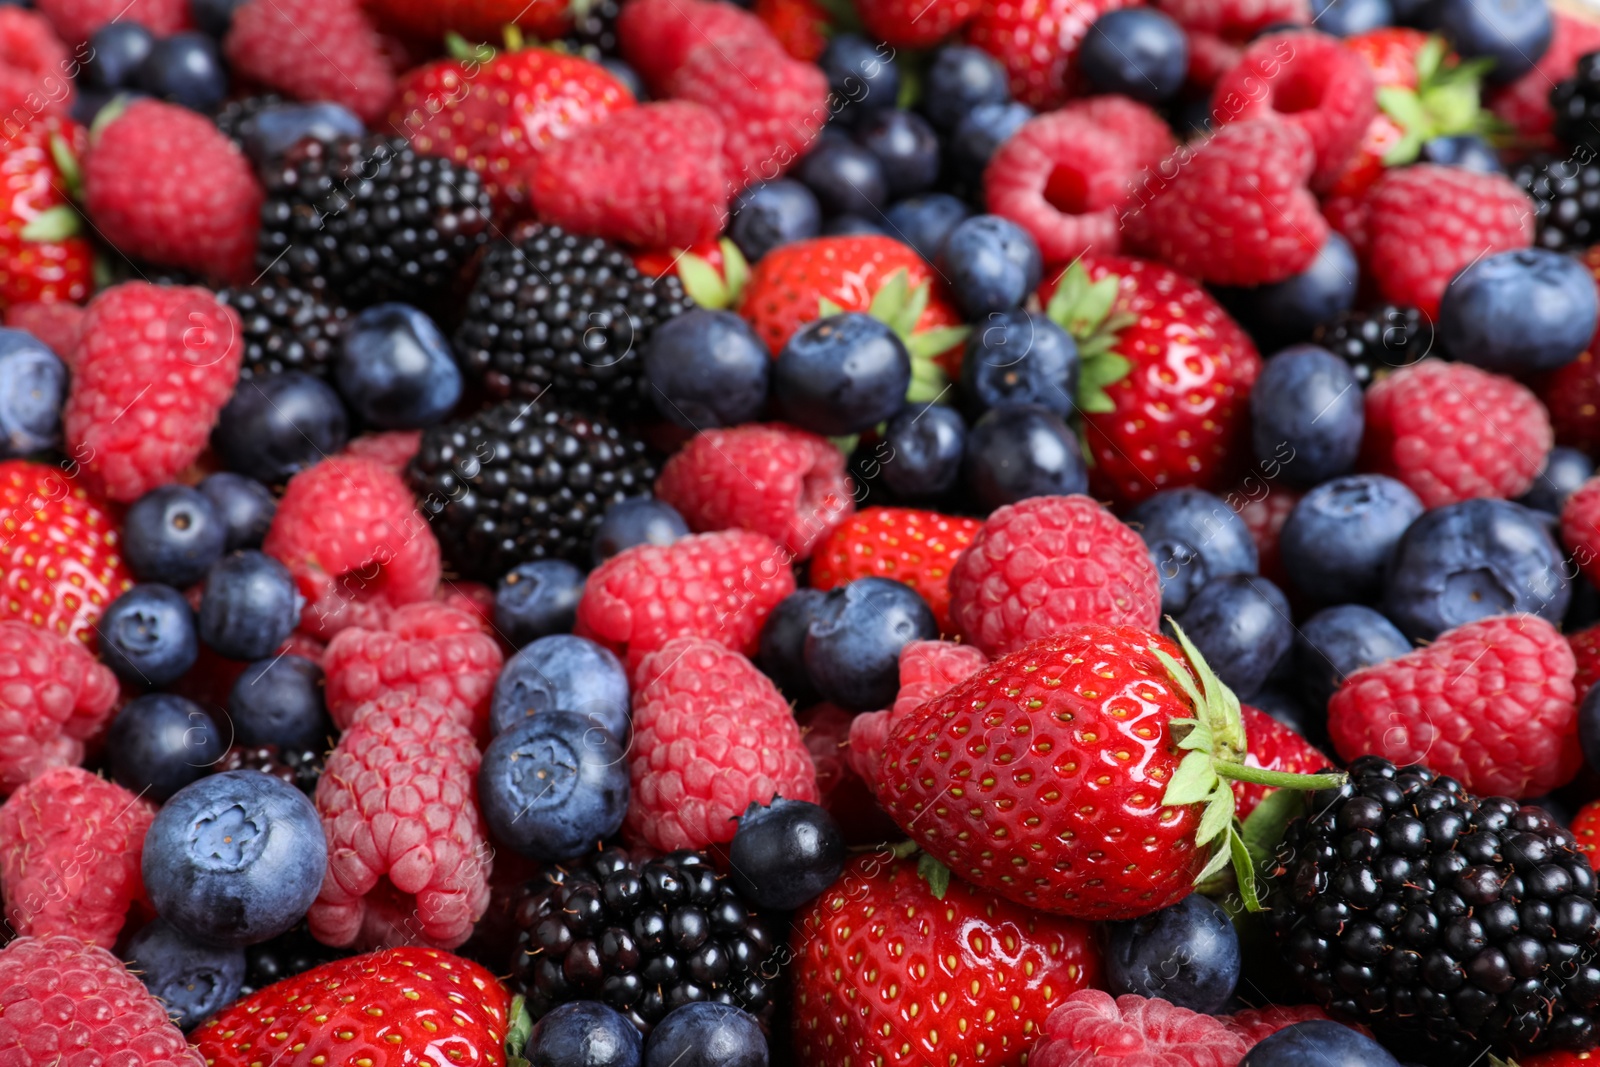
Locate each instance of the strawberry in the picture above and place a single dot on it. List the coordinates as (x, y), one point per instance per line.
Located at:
(43, 254)
(801, 26)
(477, 20)
(1036, 41)
(915, 547)
(1586, 829)
(1277, 747)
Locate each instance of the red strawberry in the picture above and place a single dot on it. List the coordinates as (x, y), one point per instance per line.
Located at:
(801, 26)
(1586, 829)
(477, 20)
(914, 23)
(1037, 41)
(44, 256)
(1236, 20)
(1561, 1058)
(916, 547)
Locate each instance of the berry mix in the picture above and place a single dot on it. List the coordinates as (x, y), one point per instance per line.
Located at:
(799, 533)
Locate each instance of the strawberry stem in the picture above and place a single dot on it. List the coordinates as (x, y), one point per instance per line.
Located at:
(1278, 779)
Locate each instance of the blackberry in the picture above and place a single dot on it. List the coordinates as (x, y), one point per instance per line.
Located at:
(644, 934)
(1377, 340)
(1576, 103)
(1566, 200)
(594, 29)
(299, 768)
(285, 956)
(368, 219)
(561, 312)
(515, 483)
(1445, 921)
(286, 329)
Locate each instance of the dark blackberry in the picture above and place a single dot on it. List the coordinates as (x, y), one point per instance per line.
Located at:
(515, 483)
(1566, 200)
(1377, 340)
(644, 934)
(300, 769)
(368, 219)
(1576, 103)
(1444, 921)
(594, 28)
(232, 116)
(562, 312)
(285, 956)
(286, 329)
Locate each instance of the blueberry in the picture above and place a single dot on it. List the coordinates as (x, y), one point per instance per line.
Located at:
(1193, 537)
(270, 132)
(1020, 357)
(851, 226)
(841, 374)
(537, 598)
(1015, 452)
(785, 853)
(395, 369)
(783, 644)
(1340, 537)
(33, 387)
(1288, 311)
(707, 369)
(192, 979)
(244, 505)
(235, 859)
(641, 520)
(116, 52)
(553, 785)
(990, 264)
(906, 147)
(852, 646)
(1471, 560)
(705, 1034)
(975, 139)
(159, 743)
(214, 16)
(147, 635)
(1465, 150)
(1322, 1042)
(961, 78)
(1338, 641)
(172, 535)
(1512, 33)
(625, 74)
(771, 214)
(186, 69)
(562, 673)
(279, 701)
(584, 1033)
(925, 444)
(1519, 312)
(846, 178)
(1346, 18)
(862, 76)
(1564, 470)
(249, 607)
(279, 424)
(1135, 51)
(1307, 414)
(1240, 624)
(924, 222)
(1187, 954)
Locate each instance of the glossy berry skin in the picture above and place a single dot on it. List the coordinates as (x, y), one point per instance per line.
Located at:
(280, 424)
(906, 148)
(1019, 357)
(172, 535)
(33, 386)
(781, 654)
(841, 374)
(852, 647)
(249, 607)
(991, 264)
(273, 130)
(959, 79)
(1467, 151)
(1187, 954)
(192, 979)
(537, 598)
(705, 1034)
(1241, 625)
(1285, 312)
(584, 1033)
(864, 77)
(1319, 1041)
(926, 442)
(1337, 542)
(1347, 18)
(785, 853)
(771, 214)
(117, 50)
(244, 506)
(1019, 451)
(1565, 470)
(279, 701)
(395, 369)
(925, 221)
(1138, 52)
(1513, 34)
(147, 635)
(562, 673)
(707, 369)
(845, 177)
(637, 521)
(1519, 312)
(159, 743)
(1193, 537)
(551, 785)
(185, 68)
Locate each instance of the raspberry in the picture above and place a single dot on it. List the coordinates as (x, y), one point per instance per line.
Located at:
(1090, 1027)
(349, 531)
(1235, 211)
(1586, 831)
(927, 669)
(474, 599)
(1036, 41)
(1586, 651)
(428, 650)
(1276, 747)
(408, 856)
(720, 586)
(1580, 532)
(53, 698)
(166, 182)
(73, 1004)
(772, 479)
(1348, 217)
(154, 367)
(1236, 20)
(1426, 222)
(918, 548)
(1265, 514)
(825, 730)
(1524, 105)
(1210, 57)
(1452, 432)
(391, 448)
(57, 323)
(1258, 1024)
(656, 36)
(1048, 562)
(75, 20)
(268, 43)
(34, 69)
(1572, 393)
(1490, 703)
(70, 846)
(711, 736)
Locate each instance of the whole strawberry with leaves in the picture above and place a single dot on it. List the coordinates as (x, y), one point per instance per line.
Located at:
(44, 252)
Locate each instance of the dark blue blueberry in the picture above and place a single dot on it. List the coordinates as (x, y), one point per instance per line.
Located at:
(1340, 537)
(1336, 642)
(159, 743)
(923, 222)
(625, 74)
(975, 139)
(537, 598)
(147, 635)
(562, 673)
(851, 226)
(772, 214)
(584, 1033)
(705, 1034)
(852, 647)
(841, 374)
(783, 644)
(1564, 470)
(270, 132)
(33, 387)
(1193, 537)
(1136, 51)
(214, 16)
(116, 52)
(193, 979)
(244, 505)
(1187, 954)
(1288, 311)
(960, 78)
(1240, 624)
(553, 785)
(1519, 312)
(1322, 1042)
(989, 264)
(1017, 452)
(1020, 357)
(641, 520)
(186, 69)
(279, 701)
(395, 369)
(707, 369)
(1513, 33)
(905, 145)
(925, 443)
(846, 178)
(861, 75)
(1409, 12)
(1471, 560)
(172, 535)
(1465, 150)
(249, 606)
(1589, 727)
(1346, 18)
(1307, 413)
(785, 854)
(235, 859)
(279, 424)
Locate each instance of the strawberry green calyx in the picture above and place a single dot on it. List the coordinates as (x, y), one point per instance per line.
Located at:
(1444, 103)
(930, 870)
(54, 224)
(710, 288)
(899, 305)
(1085, 309)
(517, 1033)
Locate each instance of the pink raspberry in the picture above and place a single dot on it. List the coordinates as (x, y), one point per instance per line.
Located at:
(927, 669)
(786, 483)
(58, 324)
(656, 36)
(1258, 1024)
(1580, 532)
(266, 43)
(1090, 1027)
(408, 856)
(711, 736)
(1264, 514)
(35, 70)
(75, 20)
(70, 846)
(474, 598)
(53, 698)
(1585, 645)
(392, 448)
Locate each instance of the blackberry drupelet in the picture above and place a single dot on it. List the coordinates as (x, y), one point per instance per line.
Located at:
(285, 956)
(368, 219)
(1444, 921)
(594, 29)
(299, 768)
(1576, 103)
(1377, 340)
(1566, 199)
(286, 329)
(516, 482)
(566, 313)
(644, 935)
